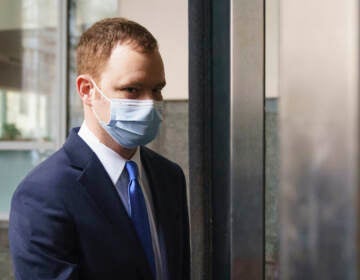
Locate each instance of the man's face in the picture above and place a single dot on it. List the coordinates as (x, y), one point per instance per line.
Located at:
(129, 74)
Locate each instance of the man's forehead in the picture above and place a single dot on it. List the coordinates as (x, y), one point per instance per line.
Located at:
(141, 79)
(128, 67)
(129, 47)
(135, 46)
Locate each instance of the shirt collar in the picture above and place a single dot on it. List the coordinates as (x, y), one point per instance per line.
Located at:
(113, 163)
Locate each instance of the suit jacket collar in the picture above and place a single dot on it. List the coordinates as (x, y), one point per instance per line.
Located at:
(162, 195)
(101, 190)
(79, 153)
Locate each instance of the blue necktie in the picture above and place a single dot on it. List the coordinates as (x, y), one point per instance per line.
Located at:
(139, 213)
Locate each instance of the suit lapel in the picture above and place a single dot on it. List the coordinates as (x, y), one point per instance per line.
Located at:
(102, 192)
(164, 205)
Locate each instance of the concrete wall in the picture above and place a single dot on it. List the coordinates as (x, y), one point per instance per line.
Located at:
(172, 141)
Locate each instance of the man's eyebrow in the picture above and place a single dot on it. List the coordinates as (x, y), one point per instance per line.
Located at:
(137, 84)
(129, 84)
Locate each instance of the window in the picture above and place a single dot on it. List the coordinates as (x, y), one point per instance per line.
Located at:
(31, 90)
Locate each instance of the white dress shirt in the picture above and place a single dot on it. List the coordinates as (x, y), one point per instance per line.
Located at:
(114, 165)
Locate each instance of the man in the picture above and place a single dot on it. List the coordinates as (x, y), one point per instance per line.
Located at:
(104, 206)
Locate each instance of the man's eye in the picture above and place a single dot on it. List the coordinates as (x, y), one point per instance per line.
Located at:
(131, 90)
(157, 90)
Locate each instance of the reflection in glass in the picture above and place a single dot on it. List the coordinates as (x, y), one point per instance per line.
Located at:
(27, 65)
(29, 70)
(13, 167)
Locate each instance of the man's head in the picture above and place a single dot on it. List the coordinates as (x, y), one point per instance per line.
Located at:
(97, 42)
(117, 59)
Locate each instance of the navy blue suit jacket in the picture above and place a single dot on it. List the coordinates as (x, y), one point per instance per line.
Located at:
(68, 222)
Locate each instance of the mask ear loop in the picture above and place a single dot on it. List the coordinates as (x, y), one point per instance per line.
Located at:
(103, 95)
(99, 90)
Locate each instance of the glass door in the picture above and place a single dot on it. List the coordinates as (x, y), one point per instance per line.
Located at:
(31, 96)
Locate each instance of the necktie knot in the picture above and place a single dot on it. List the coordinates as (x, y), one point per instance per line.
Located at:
(132, 169)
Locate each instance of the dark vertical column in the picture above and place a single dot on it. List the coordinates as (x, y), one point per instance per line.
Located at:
(200, 136)
(209, 85)
(221, 243)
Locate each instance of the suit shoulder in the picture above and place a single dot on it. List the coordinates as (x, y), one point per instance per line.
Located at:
(49, 176)
(161, 160)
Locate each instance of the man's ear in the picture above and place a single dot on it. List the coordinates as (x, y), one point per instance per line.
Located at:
(85, 89)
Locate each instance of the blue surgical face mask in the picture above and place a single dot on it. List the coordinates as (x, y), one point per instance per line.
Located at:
(132, 122)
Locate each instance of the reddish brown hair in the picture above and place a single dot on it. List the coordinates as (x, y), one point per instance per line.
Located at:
(96, 43)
